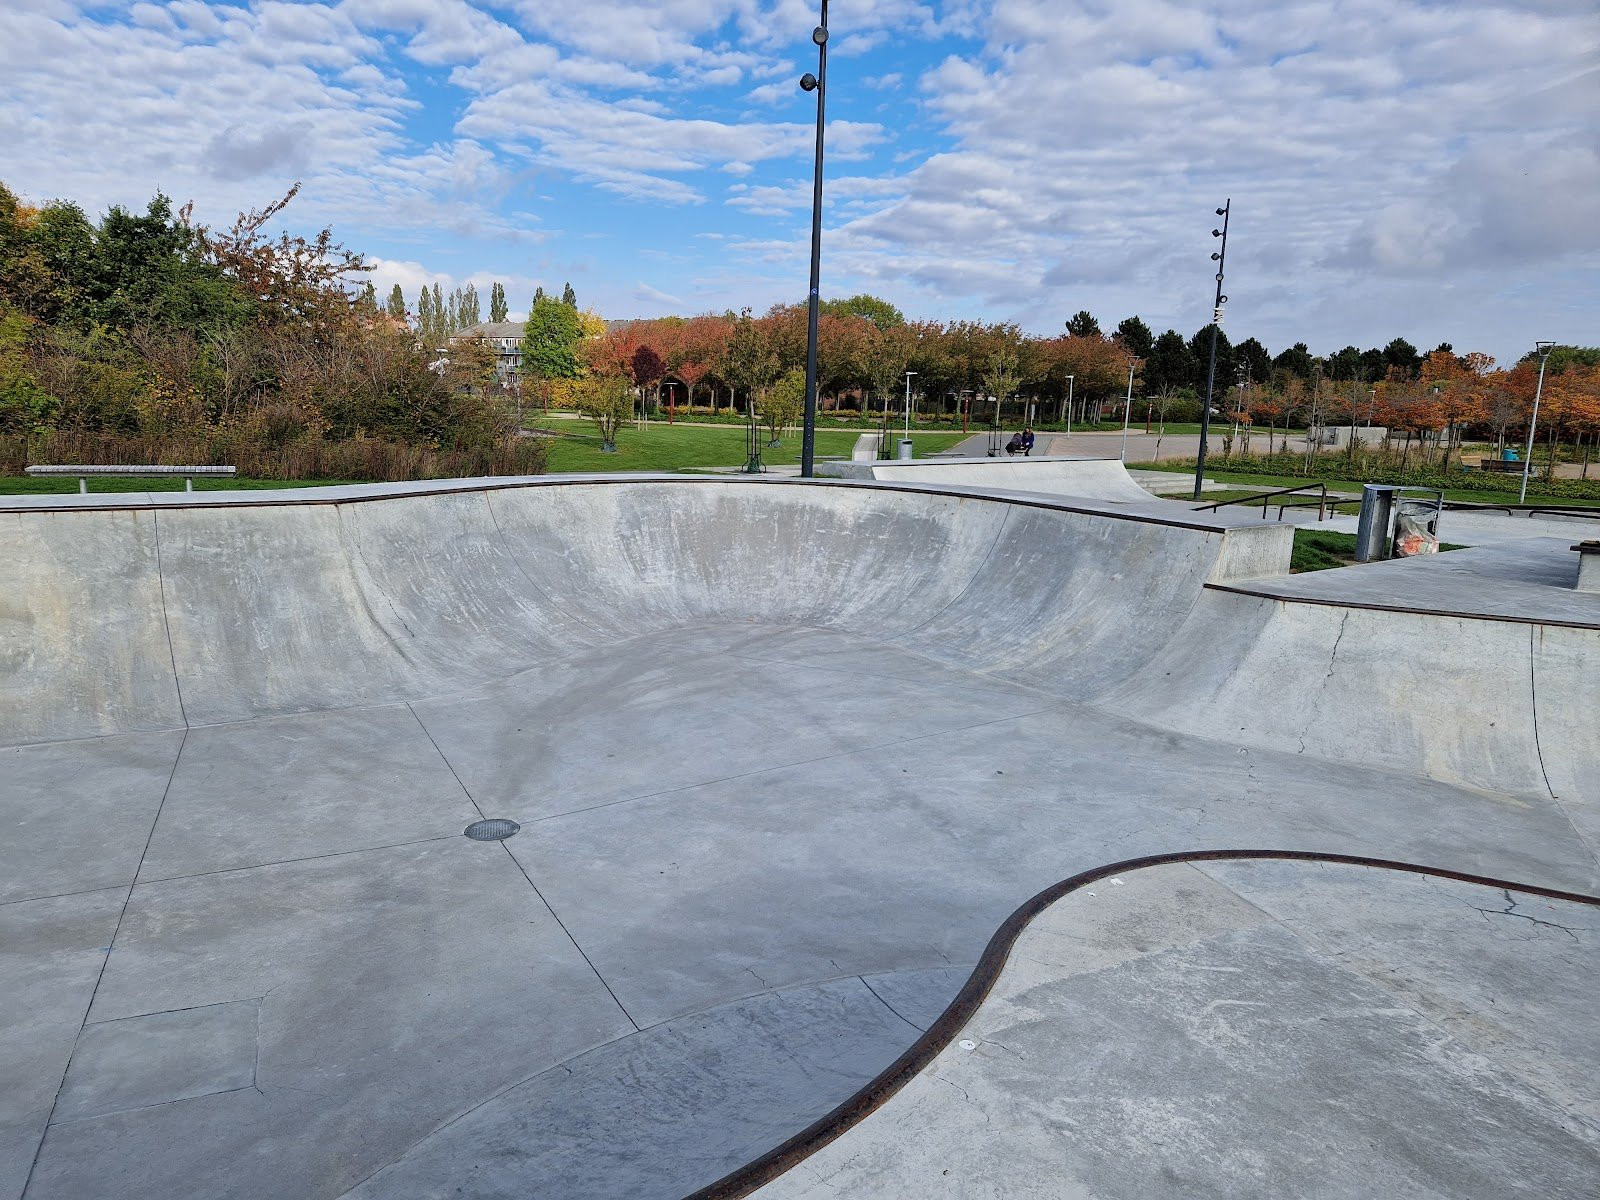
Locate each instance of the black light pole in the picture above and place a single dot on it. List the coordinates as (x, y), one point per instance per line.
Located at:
(817, 83)
(1220, 257)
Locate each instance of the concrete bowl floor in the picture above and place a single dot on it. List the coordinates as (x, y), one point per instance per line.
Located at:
(246, 951)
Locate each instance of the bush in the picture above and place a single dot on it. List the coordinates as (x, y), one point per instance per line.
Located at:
(355, 458)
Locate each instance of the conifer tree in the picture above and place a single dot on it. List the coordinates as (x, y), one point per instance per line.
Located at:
(396, 306)
(497, 302)
(569, 297)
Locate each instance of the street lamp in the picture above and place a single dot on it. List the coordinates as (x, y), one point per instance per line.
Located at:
(909, 375)
(1544, 349)
(1066, 406)
(1220, 257)
(817, 83)
(1127, 406)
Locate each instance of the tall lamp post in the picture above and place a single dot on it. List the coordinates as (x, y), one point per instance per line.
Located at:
(1544, 349)
(909, 375)
(1220, 257)
(1127, 407)
(817, 83)
(1066, 405)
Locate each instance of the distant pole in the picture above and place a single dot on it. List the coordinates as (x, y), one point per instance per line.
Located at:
(909, 375)
(1220, 257)
(817, 83)
(1066, 408)
(1544, 349)
(1127, 407)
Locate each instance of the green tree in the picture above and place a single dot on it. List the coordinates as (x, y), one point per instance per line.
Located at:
(468, 313)
(880, 312)
(1169, 367)
(749, 363)
(608, 401)
(1082, 324)
(569, 297)
(1227, 368)
(1136, 336)
(1296, 361)
(1401, 356)
(783, 404)
(1254, 360)
(396, 304)
(550, 341)
(497, 302)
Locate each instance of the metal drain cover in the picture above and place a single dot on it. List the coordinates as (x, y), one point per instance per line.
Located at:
(496, 829)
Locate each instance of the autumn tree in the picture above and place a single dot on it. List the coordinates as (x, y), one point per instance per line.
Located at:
(550, 341)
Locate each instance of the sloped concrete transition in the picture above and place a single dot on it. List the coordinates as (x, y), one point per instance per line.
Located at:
(784, 756)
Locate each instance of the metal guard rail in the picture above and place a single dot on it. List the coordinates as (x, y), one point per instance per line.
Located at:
(1266, 498)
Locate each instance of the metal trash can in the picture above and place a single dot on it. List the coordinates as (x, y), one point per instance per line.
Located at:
(1416, 525)
(1372, 530)
(905, 449)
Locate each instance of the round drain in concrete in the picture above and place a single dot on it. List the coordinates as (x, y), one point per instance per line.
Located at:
(496, 829)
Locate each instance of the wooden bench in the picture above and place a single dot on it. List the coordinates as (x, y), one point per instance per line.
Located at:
(1510, 466)
(85, 473)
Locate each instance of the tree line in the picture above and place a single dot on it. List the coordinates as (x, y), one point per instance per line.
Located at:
(146, 336)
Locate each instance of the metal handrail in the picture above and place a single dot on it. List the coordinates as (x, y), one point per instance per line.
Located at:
(1266, 499)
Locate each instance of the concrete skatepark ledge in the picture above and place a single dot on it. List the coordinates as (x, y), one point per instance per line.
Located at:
(784, 755)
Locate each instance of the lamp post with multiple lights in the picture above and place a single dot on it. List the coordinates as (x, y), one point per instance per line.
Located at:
(1544, 349)
(817, 83)
(1220, 257)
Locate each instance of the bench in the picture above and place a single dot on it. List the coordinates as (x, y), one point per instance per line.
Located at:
(1507, 465)
(85, 473)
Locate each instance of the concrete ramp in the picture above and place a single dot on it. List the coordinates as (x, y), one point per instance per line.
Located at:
(1087, 478)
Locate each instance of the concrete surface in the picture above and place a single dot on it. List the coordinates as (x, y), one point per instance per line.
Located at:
(1257, 1029)
(784, 755)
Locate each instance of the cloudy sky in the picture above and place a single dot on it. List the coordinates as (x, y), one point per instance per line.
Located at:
(1428, 170)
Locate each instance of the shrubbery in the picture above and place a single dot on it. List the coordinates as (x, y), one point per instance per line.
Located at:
(145, 339)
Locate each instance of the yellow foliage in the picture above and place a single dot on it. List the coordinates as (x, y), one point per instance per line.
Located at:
(591, 324)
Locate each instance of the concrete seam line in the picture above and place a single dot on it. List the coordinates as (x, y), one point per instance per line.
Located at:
(922, 1052)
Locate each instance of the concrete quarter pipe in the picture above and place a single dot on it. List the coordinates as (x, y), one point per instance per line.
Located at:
(783, 755)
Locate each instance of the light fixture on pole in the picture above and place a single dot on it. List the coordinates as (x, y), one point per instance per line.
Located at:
(909, 374)
(1127, 406)
(1544, 349)
(1066, 406)
(1220, 257)
(817, 83)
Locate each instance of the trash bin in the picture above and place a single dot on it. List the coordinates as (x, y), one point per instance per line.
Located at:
(1416, 525)
(1372, 531)
(905, 449)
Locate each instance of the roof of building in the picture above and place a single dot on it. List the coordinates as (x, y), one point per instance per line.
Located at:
(492, 329)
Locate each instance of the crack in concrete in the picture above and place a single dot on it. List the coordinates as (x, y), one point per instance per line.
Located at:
(1510, 910)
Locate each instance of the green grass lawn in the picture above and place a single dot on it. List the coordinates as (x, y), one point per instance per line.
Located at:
(1266, 483)
(50, 485)
(663, 447)
(1320, 549)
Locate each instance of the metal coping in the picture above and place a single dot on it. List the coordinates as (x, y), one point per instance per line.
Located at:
(1262, 593)
(156, 501)
(960, 1011)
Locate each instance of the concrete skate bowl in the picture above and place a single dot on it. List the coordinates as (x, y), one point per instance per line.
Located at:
(783, 756)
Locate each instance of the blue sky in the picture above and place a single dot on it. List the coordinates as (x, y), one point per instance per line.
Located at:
(1397, 168)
